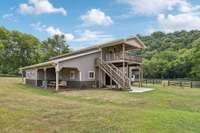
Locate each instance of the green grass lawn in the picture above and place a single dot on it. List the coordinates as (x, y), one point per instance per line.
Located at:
(165, 110)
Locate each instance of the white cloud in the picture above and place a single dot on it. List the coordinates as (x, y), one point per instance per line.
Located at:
(183, 21)
(93, 36)
(9, 17)
(39, 7)
(96, 17)
(154, 7)
(87, 38)
(186, 18)
(52, 31)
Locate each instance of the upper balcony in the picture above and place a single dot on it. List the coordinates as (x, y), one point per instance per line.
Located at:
(118, 57)
(120, 53)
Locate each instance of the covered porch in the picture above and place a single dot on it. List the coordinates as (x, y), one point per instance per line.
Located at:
(58, 79)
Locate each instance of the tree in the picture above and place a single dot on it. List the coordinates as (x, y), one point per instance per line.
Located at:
(54, 46)
(17, 50)
(196, 59)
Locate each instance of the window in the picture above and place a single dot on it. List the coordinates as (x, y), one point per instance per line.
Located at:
(72, 75)
(91, 74)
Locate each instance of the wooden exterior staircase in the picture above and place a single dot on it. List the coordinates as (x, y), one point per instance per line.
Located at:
(114, 73)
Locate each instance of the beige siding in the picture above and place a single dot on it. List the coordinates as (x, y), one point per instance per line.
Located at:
(84, 64)
(31, 74)
(65, 74)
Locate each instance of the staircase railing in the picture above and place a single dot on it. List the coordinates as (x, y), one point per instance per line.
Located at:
(115, 73)
(120, 72)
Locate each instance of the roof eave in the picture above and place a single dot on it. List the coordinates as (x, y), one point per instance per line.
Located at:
(38, 65)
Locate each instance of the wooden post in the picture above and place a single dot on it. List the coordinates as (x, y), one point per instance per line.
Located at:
(36, 83)
(57, 80)
(45, 77)
(191, 85)
(99, 78)
(111, 79)
(141, 75)
(100, 72)
(123, 48)
(57, 77)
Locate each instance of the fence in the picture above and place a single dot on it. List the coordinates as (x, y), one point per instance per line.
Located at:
(180, 83)
(152, 81)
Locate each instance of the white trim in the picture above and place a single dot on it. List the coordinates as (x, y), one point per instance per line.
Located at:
(80, 76)
(51, 63)
(89, 74)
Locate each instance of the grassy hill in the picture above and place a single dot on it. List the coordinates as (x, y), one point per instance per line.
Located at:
(27, 109)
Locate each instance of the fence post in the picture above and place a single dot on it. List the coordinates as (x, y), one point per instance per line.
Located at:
(191, 84)
(168, 83)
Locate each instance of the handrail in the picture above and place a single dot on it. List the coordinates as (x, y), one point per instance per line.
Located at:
(113, 71)
(105, 68)
(121, 73)
(99, 60)
(133, 58)
(119, 56)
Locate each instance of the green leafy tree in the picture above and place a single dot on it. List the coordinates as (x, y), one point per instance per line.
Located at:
(54, 46)
(17, 50)
(196, 59)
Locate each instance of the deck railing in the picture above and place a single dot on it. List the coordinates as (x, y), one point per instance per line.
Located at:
(119, 56)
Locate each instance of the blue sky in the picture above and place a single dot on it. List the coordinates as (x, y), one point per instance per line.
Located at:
(89, 22)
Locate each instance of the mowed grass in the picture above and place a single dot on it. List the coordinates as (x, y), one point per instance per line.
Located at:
(166, 110)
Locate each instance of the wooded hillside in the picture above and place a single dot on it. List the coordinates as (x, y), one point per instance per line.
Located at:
(173, 55)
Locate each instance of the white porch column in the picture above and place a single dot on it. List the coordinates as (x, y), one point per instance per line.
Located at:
(36, 77)
(45, 77)
(80, 76)
(57, 76)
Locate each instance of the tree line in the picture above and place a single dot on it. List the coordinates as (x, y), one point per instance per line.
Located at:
(20, 49)
(171, 55)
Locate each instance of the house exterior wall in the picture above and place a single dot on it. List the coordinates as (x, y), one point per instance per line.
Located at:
(65, 74)
(31, 77)
(84, 64)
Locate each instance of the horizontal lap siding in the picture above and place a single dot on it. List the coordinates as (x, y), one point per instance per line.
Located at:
(84, 64)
